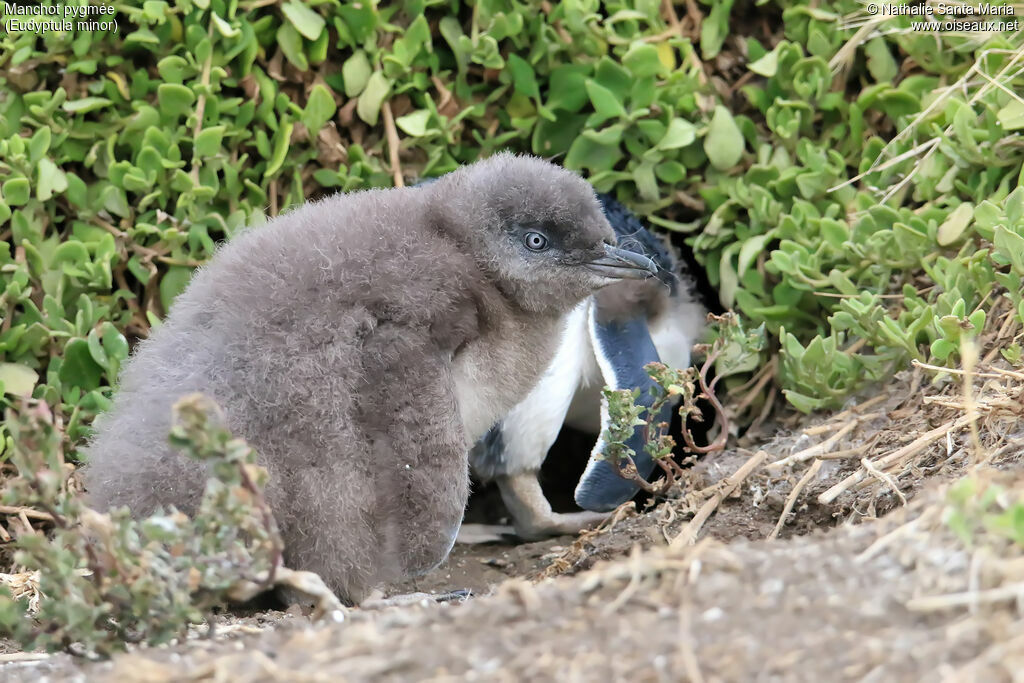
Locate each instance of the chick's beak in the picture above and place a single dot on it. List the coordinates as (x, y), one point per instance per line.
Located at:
(619, 263)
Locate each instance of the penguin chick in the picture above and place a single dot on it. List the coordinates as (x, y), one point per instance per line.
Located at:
(361, 344)
(609, 338)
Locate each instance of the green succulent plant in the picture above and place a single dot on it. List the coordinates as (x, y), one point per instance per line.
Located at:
(818, 177)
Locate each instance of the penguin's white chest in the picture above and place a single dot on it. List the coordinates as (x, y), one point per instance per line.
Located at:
(493, 374)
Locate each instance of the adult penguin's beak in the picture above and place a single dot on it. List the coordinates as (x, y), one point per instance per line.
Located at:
(623, 264)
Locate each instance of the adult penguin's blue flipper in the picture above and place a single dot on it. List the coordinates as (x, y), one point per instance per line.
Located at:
(622, 347)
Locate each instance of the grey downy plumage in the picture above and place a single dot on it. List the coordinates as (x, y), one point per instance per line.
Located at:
(361, 344)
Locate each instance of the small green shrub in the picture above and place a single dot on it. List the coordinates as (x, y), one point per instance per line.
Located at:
(107, 579)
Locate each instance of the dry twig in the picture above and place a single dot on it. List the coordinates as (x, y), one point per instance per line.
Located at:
(793, 495)
(392, 135)
(689, 533)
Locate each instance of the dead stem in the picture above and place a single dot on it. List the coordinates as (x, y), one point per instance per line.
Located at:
(689, 533)
(969, 356)
(28, 513)
(836, 420)
(899, 532)
(721, 417)
(269, 523)
(843, 454)
(895, 456)
(765, 375)
(24, 656)
(793, 495)
(308, 583)
(635, 562)
(817, 449)
(392, 135)
(883, 477)
(996, 373)
(934, 603)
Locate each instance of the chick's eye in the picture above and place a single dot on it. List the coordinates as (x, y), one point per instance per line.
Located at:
(535, 241)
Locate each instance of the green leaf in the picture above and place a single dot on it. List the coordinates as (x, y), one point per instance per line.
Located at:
(1011, 245)
(282, 140)
(306, 21)
(724, 142)
(728, 277)
(1011, 117)
(51, 180)
(415, 123)
(115, 347)
(71, 251)
(223, 27)
(595, 150)
(377, 90)
(646, 183)
(943, 349)
(522, 76)
(955, 224)
(175, 100)
(142, 36)
(356, 72)
(38, 144)
(750, 251)
(96, 349)
(680, 133)
(85, 105)
(642, 60)
(172, 284)
(881, 64)
(291, 45)
(18, 379)
(79, 369)
(767, 65)
(16, 191)
(207, 143)
(174, 69)
(320, 108)
(804, 403)
(605, 103)
(566, 89)
(715, 28)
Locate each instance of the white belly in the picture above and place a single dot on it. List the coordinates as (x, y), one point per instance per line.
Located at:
(538, 418)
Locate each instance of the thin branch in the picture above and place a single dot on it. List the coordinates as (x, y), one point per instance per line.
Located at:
(29, 512)
(721, 418)
(793, 495)
(689, 533)
(895, 456)
(393, 143)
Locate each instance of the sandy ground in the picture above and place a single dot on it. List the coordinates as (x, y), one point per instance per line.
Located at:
(860, 586)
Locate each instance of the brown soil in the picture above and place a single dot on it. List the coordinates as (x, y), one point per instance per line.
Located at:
(859, 586)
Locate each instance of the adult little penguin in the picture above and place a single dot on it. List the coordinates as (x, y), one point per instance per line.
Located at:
(362, 344)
